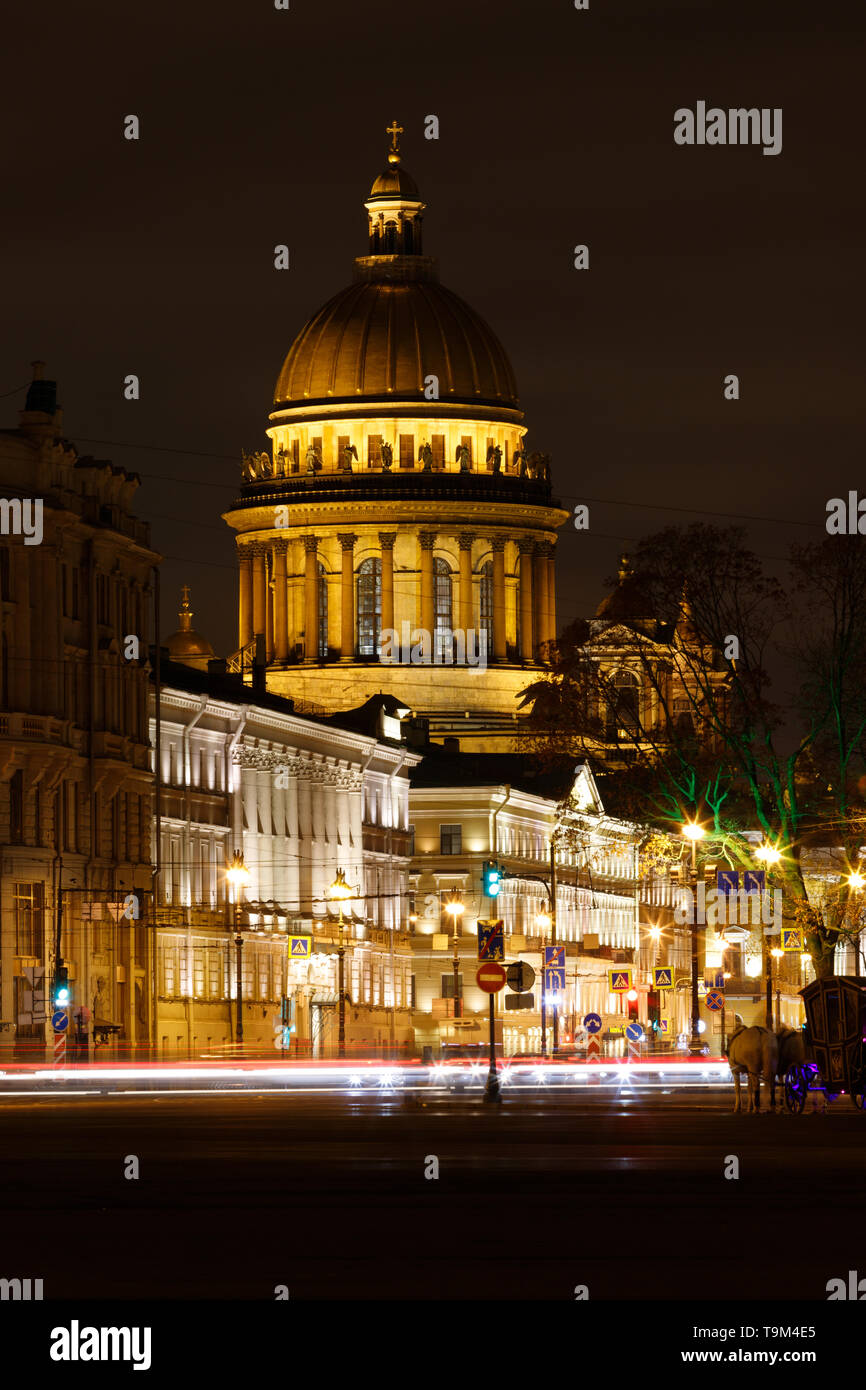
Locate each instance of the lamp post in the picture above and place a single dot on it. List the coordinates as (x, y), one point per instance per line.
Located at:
(856, 881)
(338, 892)
(769, 855)
(238, 875)
(455, 909)
(543, 920)
(694, 832)
(777, 954)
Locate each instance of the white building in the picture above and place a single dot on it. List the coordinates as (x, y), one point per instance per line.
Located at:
(300, 797)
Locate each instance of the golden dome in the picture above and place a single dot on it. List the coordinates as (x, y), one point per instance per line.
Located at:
(381, 339)
(186, 645)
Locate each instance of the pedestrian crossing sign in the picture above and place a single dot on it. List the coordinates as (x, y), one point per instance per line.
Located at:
(792, 939)
(299, 946)
(663, 977)
(620, 981)
(666, 1027)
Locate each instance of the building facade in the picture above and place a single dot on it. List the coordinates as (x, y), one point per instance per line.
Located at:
(300, 799)
(75, 794)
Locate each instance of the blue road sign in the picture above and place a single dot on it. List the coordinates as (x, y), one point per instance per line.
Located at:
(299, 945)
(59, 1021)
(634, 1032)
(592, 1023)
(554, 981)
(714, 979)
(554, 957)
(715, 999)
(491, 940)
(728, 881)
(754, 880)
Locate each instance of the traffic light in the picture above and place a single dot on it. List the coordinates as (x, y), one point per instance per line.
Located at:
(492, 879)
(62, 992)
(653, 1010)
(631, 998)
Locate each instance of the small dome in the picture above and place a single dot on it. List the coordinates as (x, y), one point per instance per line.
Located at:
(395, 182)
(186, 645)
(627, 603)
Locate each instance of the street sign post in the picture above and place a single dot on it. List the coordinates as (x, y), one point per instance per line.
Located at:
(59, 1021)
(663, 977)
(490, 977)
(619, 980)
(634, 1035)
(491, 939)
(520, 976)
(715, 999)
(593, 1025)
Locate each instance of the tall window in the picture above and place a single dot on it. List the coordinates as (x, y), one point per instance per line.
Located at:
(625, 706)
(369, 606)
(323, 613)
(407, 451)
(443, 640)
(485, 602)
(16, 808)
(451, 839)
(29, 903)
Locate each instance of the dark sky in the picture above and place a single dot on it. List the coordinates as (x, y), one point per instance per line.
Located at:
(260, 127)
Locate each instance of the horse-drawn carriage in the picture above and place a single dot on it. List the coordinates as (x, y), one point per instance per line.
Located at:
(835, 1043)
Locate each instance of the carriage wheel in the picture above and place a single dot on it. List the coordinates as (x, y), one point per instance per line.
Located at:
(796, 1089)
(858, 1080)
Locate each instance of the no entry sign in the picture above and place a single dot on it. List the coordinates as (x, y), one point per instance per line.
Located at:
(490, 977)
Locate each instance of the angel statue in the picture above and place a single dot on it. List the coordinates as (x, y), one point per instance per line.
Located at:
(313, 459)
(282, 458)
(387, 456)
(426, 456)
(464, 458)
(518, 458)
(349, 452)
(495, 453)
(266, 467)
(248, 466)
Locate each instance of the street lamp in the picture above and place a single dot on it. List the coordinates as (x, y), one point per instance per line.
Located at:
(455, 909)
(543, 920)
(694, 832)
(856, 881)
(777, 955)
(769, 855)
(338, 892)
(238, 876)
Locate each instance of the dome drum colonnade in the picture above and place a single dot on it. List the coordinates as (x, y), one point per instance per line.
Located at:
(398, 494)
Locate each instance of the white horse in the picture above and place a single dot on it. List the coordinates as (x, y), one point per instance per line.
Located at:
(753, 1052)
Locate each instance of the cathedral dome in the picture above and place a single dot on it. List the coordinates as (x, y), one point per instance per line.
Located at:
(382, 338)
(395, 182)
(186, 645)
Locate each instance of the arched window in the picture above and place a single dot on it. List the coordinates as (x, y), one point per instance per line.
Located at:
(625, 705)
(369, 606)
(485, 603)
(323, 613)
(443, 640)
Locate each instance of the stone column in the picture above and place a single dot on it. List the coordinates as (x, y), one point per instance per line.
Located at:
(245, 595)
(281, 621)
(464, 612)
(311, 598)
(386, 540)
(427, 540)
(526, 547)
(347, 591)
(540, 588)
(551, 592)
(259, 604)
(498, 544)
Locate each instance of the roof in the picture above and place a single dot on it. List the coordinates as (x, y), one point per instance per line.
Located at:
(380, 339)
(442, 768)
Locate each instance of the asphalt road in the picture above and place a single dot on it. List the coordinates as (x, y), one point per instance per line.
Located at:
(327, 1194)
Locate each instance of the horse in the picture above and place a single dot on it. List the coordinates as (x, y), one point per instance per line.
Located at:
(755, 1053)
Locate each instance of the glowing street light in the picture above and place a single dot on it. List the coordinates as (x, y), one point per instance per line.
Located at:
(238, 876)
(455, 908)
(768, 854)
(693, 831)
(339, 892)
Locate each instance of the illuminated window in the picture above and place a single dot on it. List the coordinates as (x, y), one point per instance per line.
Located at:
(443, 636)
(323, 612)
(485, 604)
(407, 451)
(437, 443)
(369, 606)
(451, 839)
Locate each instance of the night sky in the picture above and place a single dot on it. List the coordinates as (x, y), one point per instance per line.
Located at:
(260, 127)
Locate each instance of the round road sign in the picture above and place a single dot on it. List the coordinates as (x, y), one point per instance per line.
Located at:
(490, 977)
(715, 999)
(592, 1023)
(634, 1032)
(59, 1021)
(520, 976)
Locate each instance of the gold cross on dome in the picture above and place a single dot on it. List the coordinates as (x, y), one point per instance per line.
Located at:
(395, 131)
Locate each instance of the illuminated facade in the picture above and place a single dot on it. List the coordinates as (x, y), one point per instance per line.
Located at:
(398, 497)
